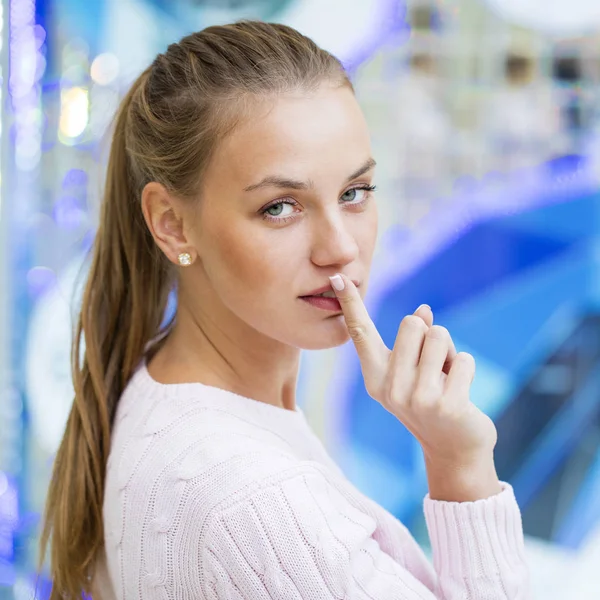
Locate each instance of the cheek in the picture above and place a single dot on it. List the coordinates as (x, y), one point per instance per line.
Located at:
(249, 261)
(366, 235)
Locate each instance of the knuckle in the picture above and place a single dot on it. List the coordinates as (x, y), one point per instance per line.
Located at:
(466, 359)
(438, 332)
(357, 332)
(413, 323)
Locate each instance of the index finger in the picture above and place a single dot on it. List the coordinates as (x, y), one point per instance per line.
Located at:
(370, 347)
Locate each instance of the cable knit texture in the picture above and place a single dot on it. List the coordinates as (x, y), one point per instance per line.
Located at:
(210, 495)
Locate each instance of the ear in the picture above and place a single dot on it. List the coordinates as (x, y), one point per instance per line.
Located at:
(164, 216)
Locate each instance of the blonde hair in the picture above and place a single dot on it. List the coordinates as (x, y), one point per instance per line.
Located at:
(166, 130)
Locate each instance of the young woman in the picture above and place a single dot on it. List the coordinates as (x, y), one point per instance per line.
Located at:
(241, 173)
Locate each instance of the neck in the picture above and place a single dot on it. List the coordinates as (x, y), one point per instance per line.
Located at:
(216, 348)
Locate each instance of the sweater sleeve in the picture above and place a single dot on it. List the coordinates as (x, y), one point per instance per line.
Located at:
(301, 539)
(478, 547)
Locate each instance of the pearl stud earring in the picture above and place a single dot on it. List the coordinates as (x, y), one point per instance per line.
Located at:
(185, 259)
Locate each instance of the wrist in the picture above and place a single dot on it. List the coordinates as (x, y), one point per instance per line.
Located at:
(462, 481)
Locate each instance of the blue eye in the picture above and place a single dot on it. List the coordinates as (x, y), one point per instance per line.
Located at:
(274, 212)
(279, 207)
(350, 195)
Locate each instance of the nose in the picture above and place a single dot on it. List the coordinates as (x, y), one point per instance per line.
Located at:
(334, 243)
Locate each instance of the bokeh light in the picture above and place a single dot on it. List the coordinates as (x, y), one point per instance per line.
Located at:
(74, 114)
(105, 68)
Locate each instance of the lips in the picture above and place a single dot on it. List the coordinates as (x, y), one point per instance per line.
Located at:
(325, 288)
(322, 302)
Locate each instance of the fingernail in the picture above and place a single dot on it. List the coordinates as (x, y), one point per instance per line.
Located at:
(337, 282)
(423, 305)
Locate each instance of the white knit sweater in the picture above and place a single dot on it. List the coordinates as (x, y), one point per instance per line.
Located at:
(210, 495)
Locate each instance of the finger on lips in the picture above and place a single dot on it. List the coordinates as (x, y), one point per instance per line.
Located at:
(372, 351)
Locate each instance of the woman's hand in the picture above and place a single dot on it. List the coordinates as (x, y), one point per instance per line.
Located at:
(426, 385)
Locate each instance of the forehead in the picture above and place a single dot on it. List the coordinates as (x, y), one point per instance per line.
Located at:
(301, 134)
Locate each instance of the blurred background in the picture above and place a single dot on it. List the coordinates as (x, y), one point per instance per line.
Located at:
(485, 118)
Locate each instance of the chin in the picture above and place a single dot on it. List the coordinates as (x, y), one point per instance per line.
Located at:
(325, 337)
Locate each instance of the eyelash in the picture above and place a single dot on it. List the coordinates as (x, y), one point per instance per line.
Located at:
(368, 188)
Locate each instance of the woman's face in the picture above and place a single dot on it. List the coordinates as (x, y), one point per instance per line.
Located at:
(283, 207)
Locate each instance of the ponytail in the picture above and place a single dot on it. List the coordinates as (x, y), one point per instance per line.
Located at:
(123, 305)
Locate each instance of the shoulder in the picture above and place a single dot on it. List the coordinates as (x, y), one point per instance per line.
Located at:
(185, 429)
(168, 450)
(171, 440)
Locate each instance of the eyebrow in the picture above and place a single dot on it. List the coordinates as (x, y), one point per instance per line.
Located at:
(284, 182)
